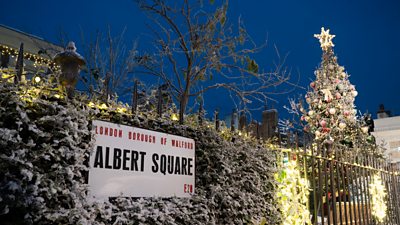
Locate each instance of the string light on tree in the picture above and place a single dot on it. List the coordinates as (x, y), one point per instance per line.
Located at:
(331, 114)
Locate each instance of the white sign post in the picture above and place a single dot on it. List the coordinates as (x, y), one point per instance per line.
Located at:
(133, 162)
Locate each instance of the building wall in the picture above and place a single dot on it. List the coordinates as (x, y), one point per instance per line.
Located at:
(38, 48)
(387, 131)
(32, 44)
(269, 123)
(265, 129)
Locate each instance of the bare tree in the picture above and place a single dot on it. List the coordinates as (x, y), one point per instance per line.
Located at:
(197, 50)
(110, 65)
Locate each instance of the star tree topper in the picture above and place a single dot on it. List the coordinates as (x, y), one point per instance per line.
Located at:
(325, 39)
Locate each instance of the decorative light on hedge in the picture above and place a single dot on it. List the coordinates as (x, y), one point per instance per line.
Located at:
(37, 79)
(378, 194)
(57, 96)
(292, 195)
(174, 117)
(7, 76)
(91, 105)
(102, 106)
(121, 110)
(118, 108)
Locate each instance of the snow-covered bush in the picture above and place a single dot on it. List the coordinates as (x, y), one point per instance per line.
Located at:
(234, 185)
(44, 144)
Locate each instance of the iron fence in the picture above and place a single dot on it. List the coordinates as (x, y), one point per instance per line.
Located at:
(340, 185)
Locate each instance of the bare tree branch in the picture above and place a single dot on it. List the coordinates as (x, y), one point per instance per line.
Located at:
(110, 64)
(195, 43)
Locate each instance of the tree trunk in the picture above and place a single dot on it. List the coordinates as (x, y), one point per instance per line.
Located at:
(182, 108)
(135, 98)
(184, 97)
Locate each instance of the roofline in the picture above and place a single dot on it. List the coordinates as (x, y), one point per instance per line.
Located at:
(29, 35)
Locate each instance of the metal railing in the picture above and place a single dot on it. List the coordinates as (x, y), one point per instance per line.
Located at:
(339, 184)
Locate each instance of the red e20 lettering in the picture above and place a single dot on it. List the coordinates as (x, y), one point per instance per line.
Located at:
(188, 188)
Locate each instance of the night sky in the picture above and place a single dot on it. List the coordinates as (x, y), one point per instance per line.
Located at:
(367, 40)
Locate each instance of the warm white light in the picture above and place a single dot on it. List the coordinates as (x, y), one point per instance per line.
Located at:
(364, 129)
(325, 39)
(292, 194)
(91, 104)
(37, 79)
(103, 106)
(174, 117)
(121, 110)
(378, 198)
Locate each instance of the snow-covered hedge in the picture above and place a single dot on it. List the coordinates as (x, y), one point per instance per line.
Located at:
(234, 185)
(45, 140)
(43, 144)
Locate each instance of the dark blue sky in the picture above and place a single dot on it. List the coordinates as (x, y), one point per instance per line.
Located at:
(367, 40)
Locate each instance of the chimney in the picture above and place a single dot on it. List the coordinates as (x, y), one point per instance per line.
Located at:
(269, 123)
(382, 113)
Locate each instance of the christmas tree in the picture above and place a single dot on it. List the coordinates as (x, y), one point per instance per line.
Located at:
(331, 115)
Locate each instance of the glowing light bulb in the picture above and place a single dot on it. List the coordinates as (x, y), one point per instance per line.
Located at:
(91, 104)
(37, 79)
(103, 106)
(121, 110)
(174, 117)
